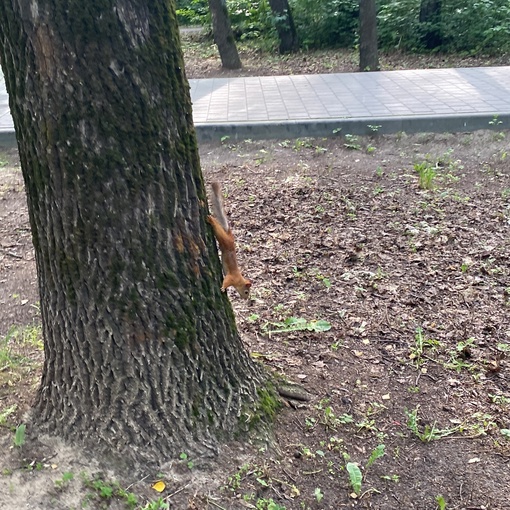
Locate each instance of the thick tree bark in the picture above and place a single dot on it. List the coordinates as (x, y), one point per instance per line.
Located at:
(284, 26)
(430, 18)
(368, 54)
(142, 356)
(223, 36)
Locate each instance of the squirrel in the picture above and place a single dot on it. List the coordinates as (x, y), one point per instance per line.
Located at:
(225, 237)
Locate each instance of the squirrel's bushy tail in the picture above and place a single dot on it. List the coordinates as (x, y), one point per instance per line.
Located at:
(217, 205)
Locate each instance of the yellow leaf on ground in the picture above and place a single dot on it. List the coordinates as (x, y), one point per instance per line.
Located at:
(159, 486)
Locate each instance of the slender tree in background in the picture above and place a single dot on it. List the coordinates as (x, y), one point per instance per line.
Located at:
(430, 20)
(223, 35)
(285, 27)
(368, 54)
(142, 356)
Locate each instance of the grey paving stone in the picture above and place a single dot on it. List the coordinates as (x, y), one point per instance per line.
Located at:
(314, 105)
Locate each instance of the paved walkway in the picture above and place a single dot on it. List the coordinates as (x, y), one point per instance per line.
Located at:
(316, 105)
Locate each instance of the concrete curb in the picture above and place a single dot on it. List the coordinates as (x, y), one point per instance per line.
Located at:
(213, 132)
(8, 139)
(208, 132)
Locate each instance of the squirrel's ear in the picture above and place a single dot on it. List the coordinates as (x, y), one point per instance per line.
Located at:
(248, 283)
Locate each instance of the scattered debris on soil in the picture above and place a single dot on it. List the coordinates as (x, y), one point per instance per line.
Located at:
(381, 286)
(203, 61)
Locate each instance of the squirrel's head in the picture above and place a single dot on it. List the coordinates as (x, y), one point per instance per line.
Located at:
(244, 289)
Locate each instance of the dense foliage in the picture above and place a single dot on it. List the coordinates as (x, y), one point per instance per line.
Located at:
(326, 24)
(479, 26)
(474, 27)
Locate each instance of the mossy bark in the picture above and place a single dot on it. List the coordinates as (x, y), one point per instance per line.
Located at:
(142, 356)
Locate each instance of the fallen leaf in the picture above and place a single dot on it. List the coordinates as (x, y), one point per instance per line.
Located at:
(158, 486)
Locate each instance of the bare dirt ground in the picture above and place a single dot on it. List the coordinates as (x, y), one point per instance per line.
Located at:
(203, 61)
(415, 284)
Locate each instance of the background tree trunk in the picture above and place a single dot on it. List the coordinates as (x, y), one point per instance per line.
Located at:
(223, 36)
(142, 355)
(368, 57)
(430, 18)
(284, 26)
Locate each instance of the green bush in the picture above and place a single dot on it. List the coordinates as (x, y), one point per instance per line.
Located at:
(325, 24)
(397, 25)
(481, 26)
(476, 27)
(193, 12)
(250, 20)
(472, 27)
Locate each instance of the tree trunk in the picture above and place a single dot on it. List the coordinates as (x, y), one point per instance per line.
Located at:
(284, 26)
(368, 58)
(223, 36)
(142, 356)
(430, 18)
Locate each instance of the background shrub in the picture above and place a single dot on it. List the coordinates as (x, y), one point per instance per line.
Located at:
(325, 23)
(467, 26)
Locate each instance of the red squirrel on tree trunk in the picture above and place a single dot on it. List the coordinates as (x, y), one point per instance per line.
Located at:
(225, 237)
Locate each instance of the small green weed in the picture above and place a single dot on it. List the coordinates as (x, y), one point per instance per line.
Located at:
(354, 471)
(296, 324)
(331, 421)
(336, 345)
(391, 478)
(234, 481)
(495, 121)
(302, 143)
(318, 494)
(324, 279)
(421, 344)
(355, 476)
(5, 413)
(459, 357)
(430, 432)
(19, 435)
(64, 481)
(268, 504)
(158, 504)
(426, 175)
(499, 400)
(352, 142)
(377, 453)
(441, 502)
(106, 490)
(184, 457)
